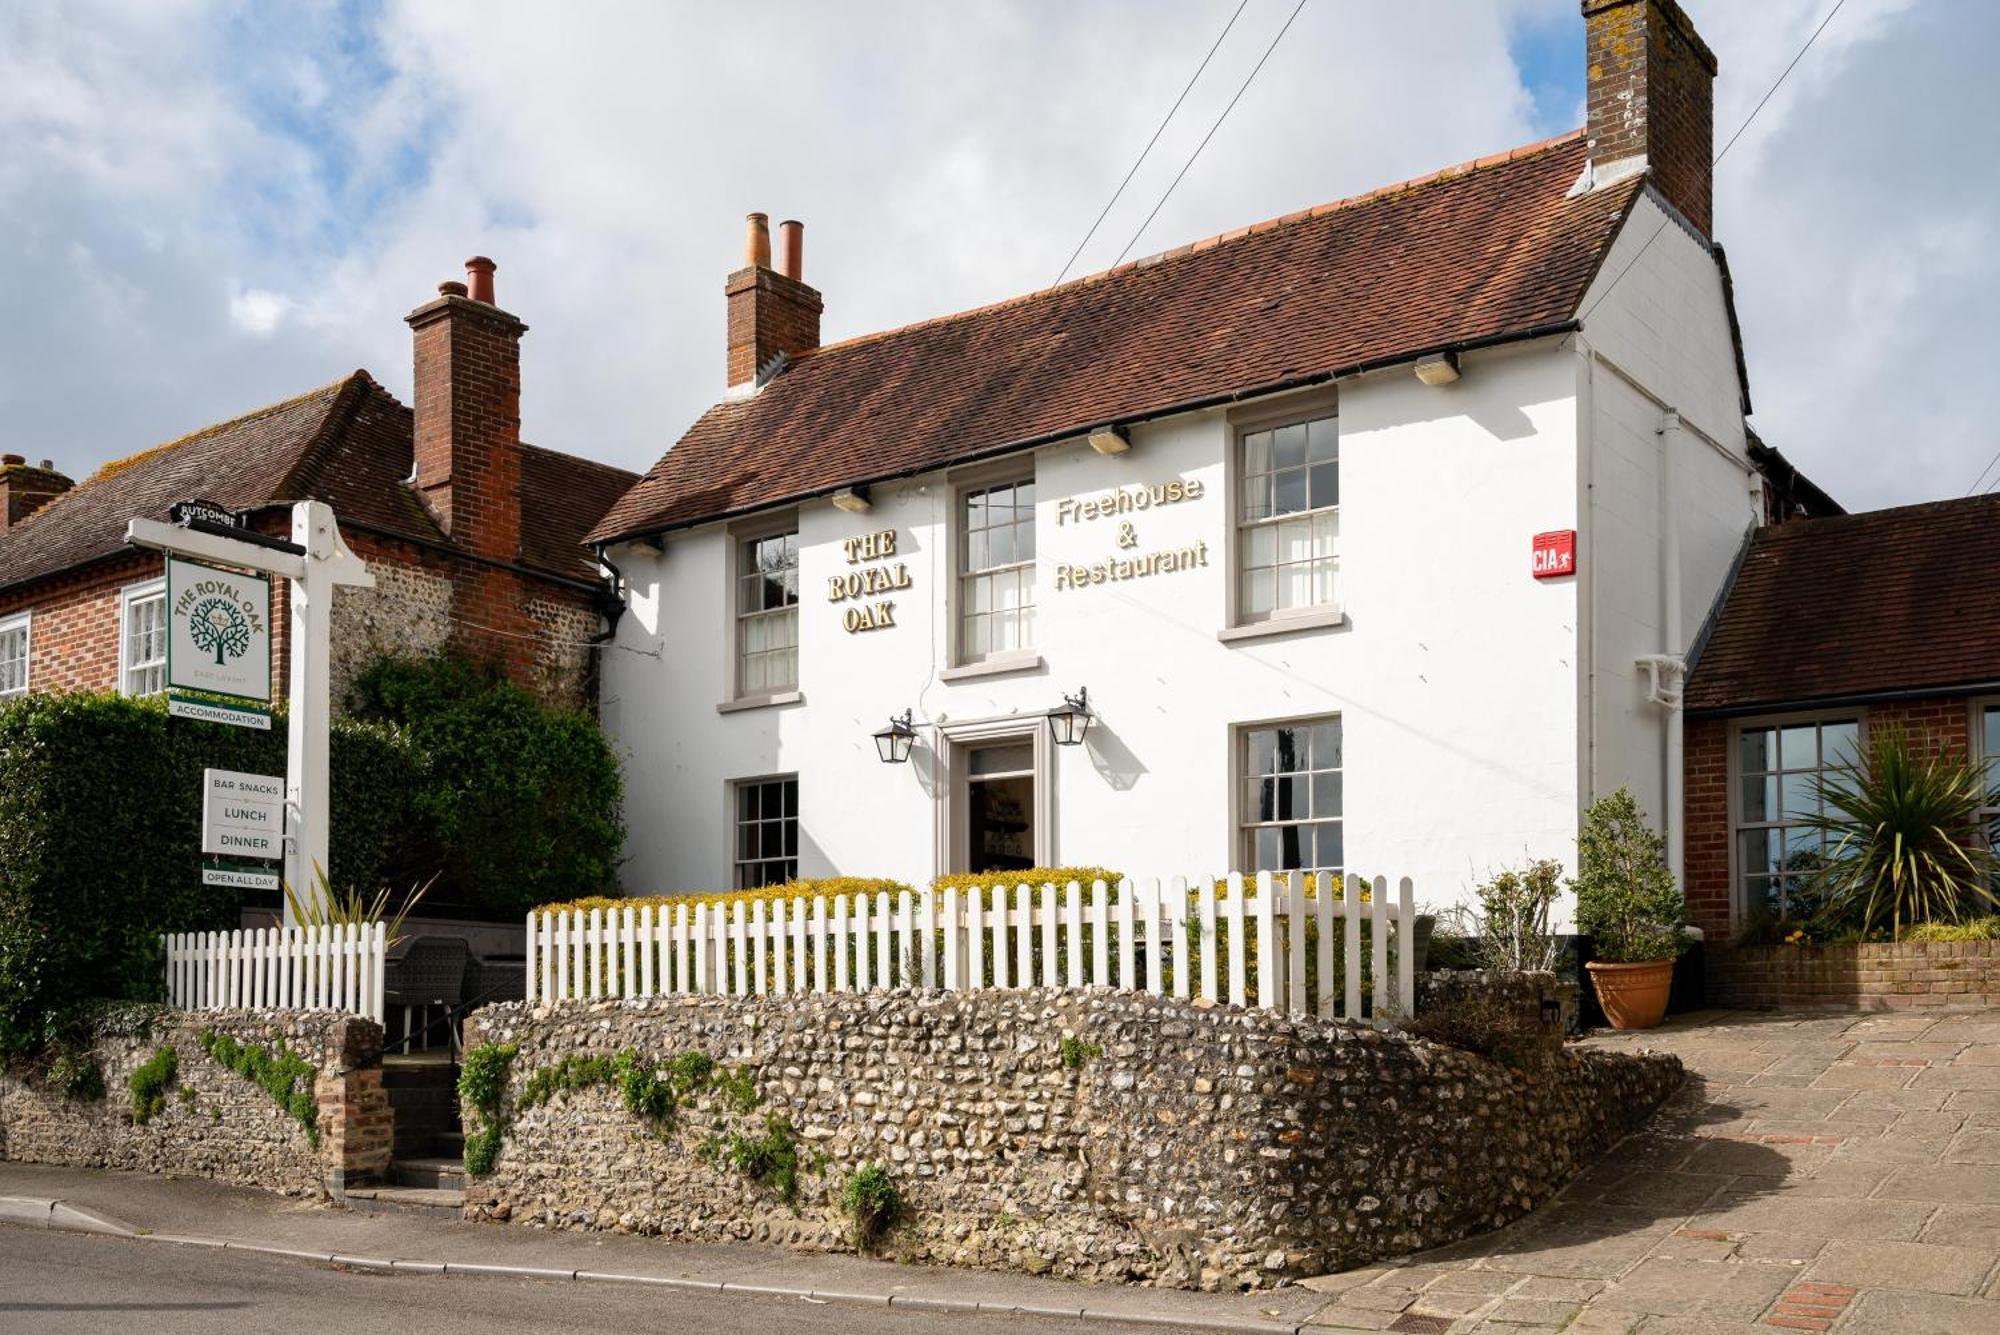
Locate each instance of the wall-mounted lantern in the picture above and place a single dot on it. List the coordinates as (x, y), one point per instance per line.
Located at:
(1071, 720)
(893, 742)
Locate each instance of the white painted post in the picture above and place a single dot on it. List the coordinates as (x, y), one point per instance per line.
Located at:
(1233, 911)
(628, 929)
(1210, 942)
(781, 931)
(1073, 929)
(801, 962)
(864, 974)
(999, 922)
(885, 949)
(1024, 936)
(1378, 929)
(840, 950)
(1295, 942)
(1323, 916)
(1270, 959)
(927, 935)
(757, 942)
(954, 944)
(1127, 928)
(1100, 934)
(1049, 950)
(739, 945)
(975, 941)
(1176, 938)
(701, 949)
(906, 927)
(1406, 941)
(375, 1000)
(1350, 908)
(683, 950)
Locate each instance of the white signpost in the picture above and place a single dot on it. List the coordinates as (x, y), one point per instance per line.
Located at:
(316, 562)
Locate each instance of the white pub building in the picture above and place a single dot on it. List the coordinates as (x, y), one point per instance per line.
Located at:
(1367, 539)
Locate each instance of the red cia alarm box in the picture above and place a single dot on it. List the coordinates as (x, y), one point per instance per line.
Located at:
(1555, 554)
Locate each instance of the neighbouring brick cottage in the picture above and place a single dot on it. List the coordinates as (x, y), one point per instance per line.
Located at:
(1832, 626)
(475, 537)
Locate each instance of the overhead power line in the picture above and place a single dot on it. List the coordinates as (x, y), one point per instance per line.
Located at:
(1768, 94)
(1211, 133)
(1106, 212)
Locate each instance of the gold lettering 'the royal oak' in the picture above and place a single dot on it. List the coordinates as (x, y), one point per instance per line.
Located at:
(875, 616)
(867, 583)
(870, 546)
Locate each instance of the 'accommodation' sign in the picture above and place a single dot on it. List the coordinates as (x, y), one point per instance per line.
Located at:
(873, 574)
(218, 644)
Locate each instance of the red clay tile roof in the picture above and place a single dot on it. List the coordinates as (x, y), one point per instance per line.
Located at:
(1482, 252)
(347, 443)
(1857, 605)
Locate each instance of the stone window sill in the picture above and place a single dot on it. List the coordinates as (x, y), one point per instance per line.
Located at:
(996, 666)
(759, 702)
(1319, 618)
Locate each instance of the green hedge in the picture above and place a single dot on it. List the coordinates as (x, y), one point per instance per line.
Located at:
(100, 840)
(521, 798)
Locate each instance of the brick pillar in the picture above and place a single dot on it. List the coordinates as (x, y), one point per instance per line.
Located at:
(357, 1128)
(1705, 816)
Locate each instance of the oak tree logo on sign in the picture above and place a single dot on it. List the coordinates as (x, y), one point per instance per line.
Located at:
(220, 625)
(218, 644)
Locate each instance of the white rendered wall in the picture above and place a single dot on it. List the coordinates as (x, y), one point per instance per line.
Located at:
(1655, 337)
(1455, 674)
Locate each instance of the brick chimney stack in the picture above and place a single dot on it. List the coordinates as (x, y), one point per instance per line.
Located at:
(468, 413)
(770, 310)
(26, 488)
(1650, 88)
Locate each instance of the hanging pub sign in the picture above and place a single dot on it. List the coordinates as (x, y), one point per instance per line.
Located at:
(218, 644)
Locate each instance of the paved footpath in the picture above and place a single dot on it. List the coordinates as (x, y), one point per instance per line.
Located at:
(1819, 1171)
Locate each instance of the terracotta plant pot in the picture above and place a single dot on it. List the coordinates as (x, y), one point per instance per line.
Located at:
(1634, 996)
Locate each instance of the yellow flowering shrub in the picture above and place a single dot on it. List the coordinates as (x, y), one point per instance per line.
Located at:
(825, 887)
(1036, 877)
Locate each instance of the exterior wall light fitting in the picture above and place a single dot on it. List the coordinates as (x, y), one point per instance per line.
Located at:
(1439, 370)
(1111, 440)
(1071, 720)
(893, 742)
(854, 500)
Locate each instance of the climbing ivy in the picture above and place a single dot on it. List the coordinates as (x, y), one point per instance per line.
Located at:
(280, 1072)
(482, 1079)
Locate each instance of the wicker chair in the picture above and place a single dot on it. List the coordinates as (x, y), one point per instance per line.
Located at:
(430, 973)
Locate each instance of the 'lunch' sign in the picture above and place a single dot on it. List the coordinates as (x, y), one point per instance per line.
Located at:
(242, 815)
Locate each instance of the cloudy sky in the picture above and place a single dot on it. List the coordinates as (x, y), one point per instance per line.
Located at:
(208, 206)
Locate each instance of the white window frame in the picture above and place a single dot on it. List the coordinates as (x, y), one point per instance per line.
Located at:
(734, 825)
(130, 597)
(1740, 905)
(963, 482)
(737, 695)
(1295, 410)
(25, 623)
(1989, 817)
(1242, 826)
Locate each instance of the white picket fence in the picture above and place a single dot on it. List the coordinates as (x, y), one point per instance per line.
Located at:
(1297, 943)
(290, 968)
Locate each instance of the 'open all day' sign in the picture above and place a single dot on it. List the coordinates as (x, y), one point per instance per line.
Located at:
(218, 644)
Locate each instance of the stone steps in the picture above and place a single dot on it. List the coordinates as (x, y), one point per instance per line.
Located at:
(435, 1202)
(431, 1173)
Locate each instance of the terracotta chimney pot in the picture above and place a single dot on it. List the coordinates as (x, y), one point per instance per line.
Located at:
(479, 276)
(757, 242)
(451, 287)
(792, 249)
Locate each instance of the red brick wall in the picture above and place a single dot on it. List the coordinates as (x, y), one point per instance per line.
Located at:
(1879, 977)
(768, 314)
(467, 419)
(1931, 722)
(1650, 92)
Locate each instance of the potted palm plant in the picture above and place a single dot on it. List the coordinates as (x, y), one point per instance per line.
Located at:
(1900, 838)
(1628, 904)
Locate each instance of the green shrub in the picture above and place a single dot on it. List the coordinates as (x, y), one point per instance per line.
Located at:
(76, 1076)
(872, 1201)
(1479, 1024)
(770, 1159)
(1901, 838)
(482, 1082)
(149, 1085)
(521, 797)
(1626, 899)
(100, 842)
(280, 1072)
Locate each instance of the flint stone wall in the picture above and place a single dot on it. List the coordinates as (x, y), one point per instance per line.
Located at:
(231, 1130)
(1211, 1147)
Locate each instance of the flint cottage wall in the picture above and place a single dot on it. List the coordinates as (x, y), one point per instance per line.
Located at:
(225, 1127)
(1173, 1144)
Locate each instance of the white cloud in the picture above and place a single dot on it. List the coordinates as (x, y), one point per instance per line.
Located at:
(262, 195)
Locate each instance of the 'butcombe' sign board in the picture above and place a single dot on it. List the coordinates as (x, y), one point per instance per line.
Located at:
(218, 644)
